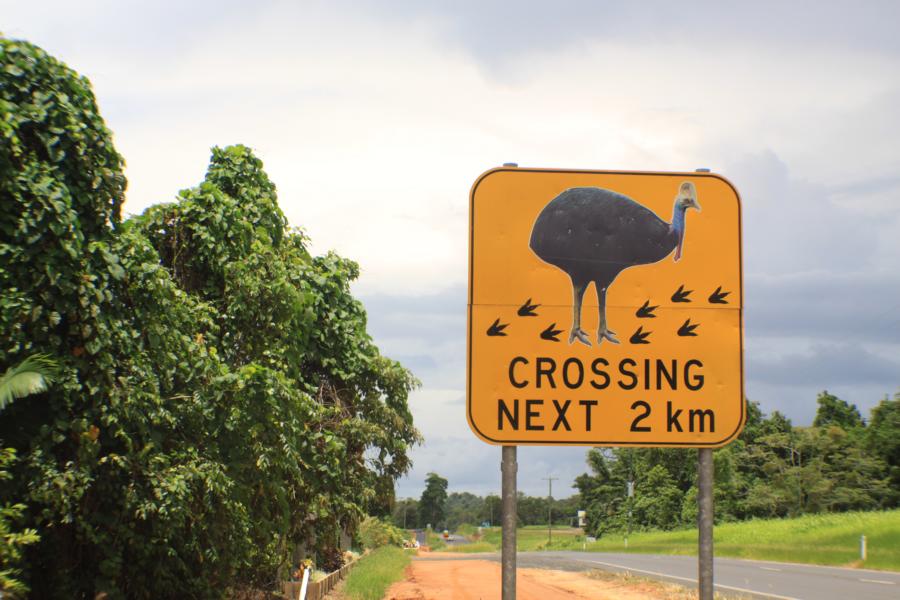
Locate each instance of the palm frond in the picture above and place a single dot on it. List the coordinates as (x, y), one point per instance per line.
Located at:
(31, 376)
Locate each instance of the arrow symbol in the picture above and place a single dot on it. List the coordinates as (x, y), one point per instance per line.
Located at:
(681, 295)
(718, 296)
(646, 311)
(550, 334)
(527, 309)
(687, 330)
(640, 336)
(497, 328)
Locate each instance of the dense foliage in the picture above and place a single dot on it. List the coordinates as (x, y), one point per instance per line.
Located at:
(374, 533)
(432, 508)
(31, 376)
(772, 470)
(219, 401)
(464, 508)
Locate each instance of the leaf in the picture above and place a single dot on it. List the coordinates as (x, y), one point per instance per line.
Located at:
(32, 376)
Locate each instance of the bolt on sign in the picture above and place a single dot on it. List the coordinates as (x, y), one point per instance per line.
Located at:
(604, 309)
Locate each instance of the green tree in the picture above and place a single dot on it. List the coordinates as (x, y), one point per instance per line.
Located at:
(883, 441)
(31, 376)
(406, 513)
(565, 510)
(219, 401)
(531, 510)
(433, 503)
(834, 411)
(658, 500)
(604, 491)
(463, 507)
(12, 540)
(491, 509)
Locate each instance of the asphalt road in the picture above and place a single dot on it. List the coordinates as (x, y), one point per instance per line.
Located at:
(733, 577)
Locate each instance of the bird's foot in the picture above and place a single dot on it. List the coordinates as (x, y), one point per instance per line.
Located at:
(606, 333)
(578, 334)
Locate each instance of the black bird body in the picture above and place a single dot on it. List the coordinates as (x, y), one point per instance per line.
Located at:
(593, 234)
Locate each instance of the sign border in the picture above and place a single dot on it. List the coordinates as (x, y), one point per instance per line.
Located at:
(599, 443)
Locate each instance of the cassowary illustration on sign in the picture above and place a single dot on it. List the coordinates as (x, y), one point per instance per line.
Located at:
(593, 234)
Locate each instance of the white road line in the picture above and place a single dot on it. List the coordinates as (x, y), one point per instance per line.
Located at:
(694, 581)
(881, 581)
(770, 569)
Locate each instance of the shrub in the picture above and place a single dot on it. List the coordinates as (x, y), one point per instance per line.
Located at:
(374, 533)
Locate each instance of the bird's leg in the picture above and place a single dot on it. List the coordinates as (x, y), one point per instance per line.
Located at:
(602, 330)
(578, 289)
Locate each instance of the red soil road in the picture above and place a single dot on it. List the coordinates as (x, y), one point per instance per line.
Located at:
(480, 580)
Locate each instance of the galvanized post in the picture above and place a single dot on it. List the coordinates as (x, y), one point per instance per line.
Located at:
(705, 522)
(508, 468)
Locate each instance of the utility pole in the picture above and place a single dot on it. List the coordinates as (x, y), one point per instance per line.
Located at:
(550, 481)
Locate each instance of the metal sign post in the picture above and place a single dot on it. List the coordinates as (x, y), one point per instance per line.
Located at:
(705, 522)
(508, 468)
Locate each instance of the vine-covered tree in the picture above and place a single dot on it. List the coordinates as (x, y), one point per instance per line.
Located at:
(218, 400)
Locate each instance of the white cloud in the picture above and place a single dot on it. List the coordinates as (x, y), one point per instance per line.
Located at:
(374, 124)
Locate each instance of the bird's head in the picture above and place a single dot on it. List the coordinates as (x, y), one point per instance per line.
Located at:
(687, 196)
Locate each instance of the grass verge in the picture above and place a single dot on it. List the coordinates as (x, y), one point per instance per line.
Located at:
(375, 573)
(471, 548)
(435, 541)
(827, 539)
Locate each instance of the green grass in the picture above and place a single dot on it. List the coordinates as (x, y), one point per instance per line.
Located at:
(435, 540)
(473, 547)
(534, 537)
(831, 539)
(376, 572)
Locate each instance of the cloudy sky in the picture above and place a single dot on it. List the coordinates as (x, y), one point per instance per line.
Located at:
(375, 117)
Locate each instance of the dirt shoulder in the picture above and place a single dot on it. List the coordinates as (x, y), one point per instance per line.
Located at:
(477, 579)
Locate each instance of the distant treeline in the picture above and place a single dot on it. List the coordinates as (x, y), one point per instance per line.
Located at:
(773, 469)
(840, 463)
(465, 508)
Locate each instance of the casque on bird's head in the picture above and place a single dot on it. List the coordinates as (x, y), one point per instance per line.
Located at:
(687, 196)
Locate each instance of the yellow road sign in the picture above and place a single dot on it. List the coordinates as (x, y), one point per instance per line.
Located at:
(604, 309)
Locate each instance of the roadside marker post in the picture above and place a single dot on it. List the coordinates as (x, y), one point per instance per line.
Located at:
(605, 309)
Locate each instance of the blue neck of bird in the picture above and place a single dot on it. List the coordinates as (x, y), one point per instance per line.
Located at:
(678, 220)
